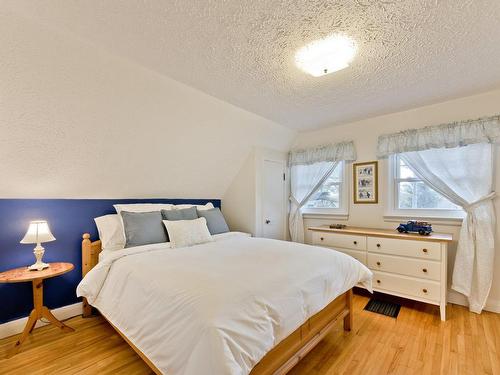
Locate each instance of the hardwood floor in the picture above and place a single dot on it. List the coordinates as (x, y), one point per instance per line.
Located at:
(417, 342)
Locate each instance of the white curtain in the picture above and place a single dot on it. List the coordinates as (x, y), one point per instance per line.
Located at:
(305, 181)
(309, 169)
(464, 176)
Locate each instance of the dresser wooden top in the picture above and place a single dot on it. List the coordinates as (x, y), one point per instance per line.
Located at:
(389, 233)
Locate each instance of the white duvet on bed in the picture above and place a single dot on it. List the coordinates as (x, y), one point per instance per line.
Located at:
(216, 308)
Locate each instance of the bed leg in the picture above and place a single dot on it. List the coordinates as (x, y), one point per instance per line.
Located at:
(348, 317)
(87, 309)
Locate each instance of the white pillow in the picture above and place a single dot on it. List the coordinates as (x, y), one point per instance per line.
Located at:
(184, 233)
(110, 228)
(200, 207)
(142, 207)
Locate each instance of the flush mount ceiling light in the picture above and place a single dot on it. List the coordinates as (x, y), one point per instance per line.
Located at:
(326, 56)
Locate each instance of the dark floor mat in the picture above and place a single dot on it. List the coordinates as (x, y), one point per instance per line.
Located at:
(383, 307)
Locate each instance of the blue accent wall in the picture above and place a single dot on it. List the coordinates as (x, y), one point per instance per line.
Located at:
(68, 220)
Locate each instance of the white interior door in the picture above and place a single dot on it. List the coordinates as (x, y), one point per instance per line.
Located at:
(273, 199)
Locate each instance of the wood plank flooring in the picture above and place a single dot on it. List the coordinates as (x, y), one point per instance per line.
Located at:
(417, 342)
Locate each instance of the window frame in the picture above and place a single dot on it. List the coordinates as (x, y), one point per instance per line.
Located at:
(344, 189)
(393, 198)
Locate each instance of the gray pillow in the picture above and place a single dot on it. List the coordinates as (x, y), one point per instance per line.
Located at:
(143, 228)
(182, 214)
(215, 220)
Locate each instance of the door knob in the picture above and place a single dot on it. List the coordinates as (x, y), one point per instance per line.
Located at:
(268, 221)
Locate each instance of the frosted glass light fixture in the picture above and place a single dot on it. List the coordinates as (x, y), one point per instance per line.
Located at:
(38, 232)
(326, 56)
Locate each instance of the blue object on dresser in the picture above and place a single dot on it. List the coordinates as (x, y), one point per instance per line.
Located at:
(422, 227)
(69, 219)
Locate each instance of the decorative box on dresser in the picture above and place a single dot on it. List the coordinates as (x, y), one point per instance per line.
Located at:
(405, 265)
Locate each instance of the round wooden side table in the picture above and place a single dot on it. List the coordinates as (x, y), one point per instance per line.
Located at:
(23, 274)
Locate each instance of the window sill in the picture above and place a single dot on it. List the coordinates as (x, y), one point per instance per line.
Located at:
(325, 216)
(435, 220)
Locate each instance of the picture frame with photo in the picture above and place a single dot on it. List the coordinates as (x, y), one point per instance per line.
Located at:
(365, 182)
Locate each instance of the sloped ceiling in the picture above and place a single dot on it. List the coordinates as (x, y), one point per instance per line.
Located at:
(79, 122)
(410, 52)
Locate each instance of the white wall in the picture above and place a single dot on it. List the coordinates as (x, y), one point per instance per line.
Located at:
(243, 201)
(76, 121)
(365, 133)
(239, 201)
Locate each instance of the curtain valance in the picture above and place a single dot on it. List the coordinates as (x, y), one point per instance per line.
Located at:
(455, 134)
(332, 153)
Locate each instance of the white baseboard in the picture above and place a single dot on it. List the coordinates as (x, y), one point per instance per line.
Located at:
(15, 327)
(460, 299)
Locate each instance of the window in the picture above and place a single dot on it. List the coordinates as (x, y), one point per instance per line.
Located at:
(414, 197)
(331, 196)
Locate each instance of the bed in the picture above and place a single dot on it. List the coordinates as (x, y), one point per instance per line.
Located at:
(237, 305)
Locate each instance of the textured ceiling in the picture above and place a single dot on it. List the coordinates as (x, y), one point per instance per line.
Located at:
(410, 53)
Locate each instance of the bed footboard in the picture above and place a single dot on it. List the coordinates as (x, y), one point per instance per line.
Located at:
(284, 356)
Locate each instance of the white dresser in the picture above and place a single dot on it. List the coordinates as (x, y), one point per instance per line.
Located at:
(405, 265)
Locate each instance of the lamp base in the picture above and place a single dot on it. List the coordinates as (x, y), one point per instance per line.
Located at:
(38, 266)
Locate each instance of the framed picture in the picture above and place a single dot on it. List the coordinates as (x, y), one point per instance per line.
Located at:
(365, 184)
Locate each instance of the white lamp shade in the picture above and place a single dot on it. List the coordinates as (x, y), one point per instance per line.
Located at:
(38, 232)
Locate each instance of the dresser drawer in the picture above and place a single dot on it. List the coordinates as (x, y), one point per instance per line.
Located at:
(427, 289)
(335, 240)
(410, 248)
(359, 255)
(425, 269)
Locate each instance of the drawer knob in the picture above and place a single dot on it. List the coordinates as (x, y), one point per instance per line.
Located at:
(378, 263)
(355, 242)
(424, 250)
(378, 245)
(321, 238)
(378, 281)
(424, 290)
(424, 270)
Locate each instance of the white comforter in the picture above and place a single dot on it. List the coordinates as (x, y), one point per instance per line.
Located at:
(216, 308)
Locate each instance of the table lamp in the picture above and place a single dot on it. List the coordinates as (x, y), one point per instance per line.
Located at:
(38, 232)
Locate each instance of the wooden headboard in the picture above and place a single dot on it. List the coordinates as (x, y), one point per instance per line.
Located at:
(90, 257)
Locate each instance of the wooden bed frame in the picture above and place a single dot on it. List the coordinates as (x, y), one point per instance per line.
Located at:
(284, 356)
